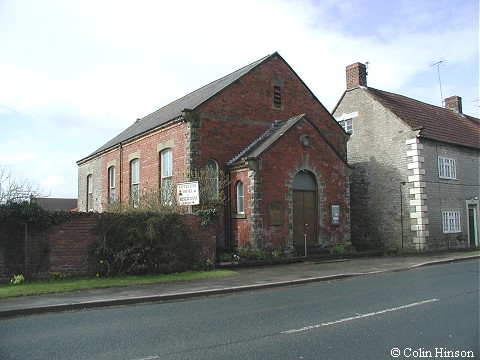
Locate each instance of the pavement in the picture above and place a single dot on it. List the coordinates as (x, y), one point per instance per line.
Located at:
(246, 279)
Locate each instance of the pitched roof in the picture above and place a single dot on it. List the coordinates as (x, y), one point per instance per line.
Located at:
(434, 122)
(267, 139)
(174, 110)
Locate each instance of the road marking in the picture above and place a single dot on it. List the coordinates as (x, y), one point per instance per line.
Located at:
(360, 316)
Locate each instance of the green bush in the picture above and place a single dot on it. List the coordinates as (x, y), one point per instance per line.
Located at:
(141, 242)
(207, 217)
(338, 249)
(17, 279)
(226, 257)
(18, 214)
(341, 249)
(245, 253)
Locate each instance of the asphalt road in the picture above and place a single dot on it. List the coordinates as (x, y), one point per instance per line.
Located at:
(423, 313)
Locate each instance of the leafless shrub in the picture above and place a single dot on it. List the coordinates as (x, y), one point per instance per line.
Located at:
(13, 190)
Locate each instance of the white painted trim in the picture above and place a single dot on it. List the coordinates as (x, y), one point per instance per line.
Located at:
(422, 221)
(421, 208)
(417, 190)
(476, 205)
(345, 116)
(417, 202)
(417, 227)
(414, 152)
(417, 171)
(418, 215)
(414, 178)
(418, 159)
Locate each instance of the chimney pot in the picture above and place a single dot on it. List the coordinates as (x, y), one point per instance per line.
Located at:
(356, 75)
(454, 103)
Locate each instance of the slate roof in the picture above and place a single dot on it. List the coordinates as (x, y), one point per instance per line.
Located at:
(174, 110)
(267, 139)
(436, 123)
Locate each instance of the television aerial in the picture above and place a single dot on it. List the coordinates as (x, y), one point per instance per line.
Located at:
(439, 63)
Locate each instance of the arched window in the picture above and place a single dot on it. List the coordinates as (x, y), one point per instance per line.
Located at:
(212, 179)
(111, 184)
(135, 182)
(304, 181)
(166, 175)
(90, 192)
(240, 197)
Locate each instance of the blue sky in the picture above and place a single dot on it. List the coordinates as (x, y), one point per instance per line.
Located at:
(73, 74)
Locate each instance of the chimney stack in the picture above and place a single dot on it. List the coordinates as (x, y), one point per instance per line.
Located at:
(356, 75)
(454, 103)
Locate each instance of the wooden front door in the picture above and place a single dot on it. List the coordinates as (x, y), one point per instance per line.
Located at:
(304, 188)
(304, 217)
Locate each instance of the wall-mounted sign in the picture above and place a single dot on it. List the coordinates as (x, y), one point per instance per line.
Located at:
(335, 214)
(187, 193)
(275, 213)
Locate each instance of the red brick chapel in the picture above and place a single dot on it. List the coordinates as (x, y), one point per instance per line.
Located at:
(283, 152)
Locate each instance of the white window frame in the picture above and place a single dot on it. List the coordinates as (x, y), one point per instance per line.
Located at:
(111, 184)
(240, 197)
(89, 192)
(135, 182)
(451, 222)
(346, 121)
(166, 175)
(347, 125)
(447, 168)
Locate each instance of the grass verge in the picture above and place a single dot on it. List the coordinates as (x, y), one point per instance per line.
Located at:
(56, 286)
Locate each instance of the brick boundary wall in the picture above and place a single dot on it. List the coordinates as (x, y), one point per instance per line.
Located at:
(64, 248)
(68, 245)
(208, 240)
(3, 275)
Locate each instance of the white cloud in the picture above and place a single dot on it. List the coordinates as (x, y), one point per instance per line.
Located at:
(52, 181)
(5, 110)
(77, 73)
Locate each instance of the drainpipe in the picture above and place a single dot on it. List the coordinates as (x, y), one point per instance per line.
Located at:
(228, 215)
(305, 243)
(26, 249)
(402, 183)
(120, 171)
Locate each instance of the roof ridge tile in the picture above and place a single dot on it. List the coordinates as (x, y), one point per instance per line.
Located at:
(264, 135)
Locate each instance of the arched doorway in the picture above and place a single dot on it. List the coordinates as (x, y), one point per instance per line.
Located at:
(304, 189)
